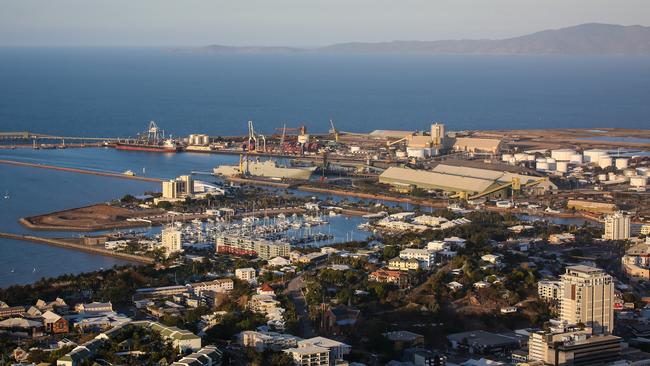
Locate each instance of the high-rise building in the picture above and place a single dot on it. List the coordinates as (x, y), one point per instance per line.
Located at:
(573, 346)
(171, 241)
(587, 297)
(180, 187)
(617, 226)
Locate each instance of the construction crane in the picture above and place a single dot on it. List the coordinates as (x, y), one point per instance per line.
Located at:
(333, 131)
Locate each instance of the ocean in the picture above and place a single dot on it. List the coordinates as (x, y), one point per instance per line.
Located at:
(115, 92)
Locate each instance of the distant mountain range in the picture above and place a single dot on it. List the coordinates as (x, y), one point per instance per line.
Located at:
(585, 39)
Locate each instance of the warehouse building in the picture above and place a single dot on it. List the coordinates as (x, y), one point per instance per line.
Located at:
(455, 179)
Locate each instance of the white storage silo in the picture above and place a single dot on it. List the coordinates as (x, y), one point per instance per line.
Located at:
(605, 161)
(562, 166)
(611, 176)
(602, 177)
(562, 154)
(638, 181)
(592, 155)
(521, 157)
(621, 163)
(576, 158)
(506, 157)
(551, 163)
(622, 178)
(530, 157)
(512, 161)
(541, 164)
(415, 153)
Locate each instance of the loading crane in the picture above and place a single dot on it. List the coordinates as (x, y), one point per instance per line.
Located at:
(253, 137)
(333, 131)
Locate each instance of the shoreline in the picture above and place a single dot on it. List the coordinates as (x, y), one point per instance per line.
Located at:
(57, 242)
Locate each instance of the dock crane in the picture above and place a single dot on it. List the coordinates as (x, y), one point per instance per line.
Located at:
(253, 137)
(333, 131)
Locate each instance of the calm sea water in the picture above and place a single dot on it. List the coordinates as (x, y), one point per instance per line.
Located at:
(110, 92)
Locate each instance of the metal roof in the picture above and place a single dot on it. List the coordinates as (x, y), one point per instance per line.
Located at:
(436, 180)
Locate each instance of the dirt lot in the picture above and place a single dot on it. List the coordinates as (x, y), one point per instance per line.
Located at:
(89, 218)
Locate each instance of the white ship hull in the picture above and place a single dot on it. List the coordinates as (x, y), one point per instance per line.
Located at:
(266, 169)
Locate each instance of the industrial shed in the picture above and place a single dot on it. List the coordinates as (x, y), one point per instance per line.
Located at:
(502, 177)
(433, 180)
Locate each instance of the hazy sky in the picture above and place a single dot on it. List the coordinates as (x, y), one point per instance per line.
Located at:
(293, 22)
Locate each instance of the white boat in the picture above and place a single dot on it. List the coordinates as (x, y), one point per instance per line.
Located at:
(6, 194)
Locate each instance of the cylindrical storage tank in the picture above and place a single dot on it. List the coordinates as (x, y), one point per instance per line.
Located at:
(621, 163)
(205, 140)
(562, 154)
(629, 172)
(512, 161)
(605, 161)
(576, 158)
(506, 157)
(602, 177)
(562, 166)
(551, 163)
(415, 153)
(521, 157)
(592, 155)
(638, 181)
(611, 176)
(400, 154)
(541, 166)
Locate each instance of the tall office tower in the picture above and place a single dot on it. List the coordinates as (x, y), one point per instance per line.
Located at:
(587, 295)
(617, 226)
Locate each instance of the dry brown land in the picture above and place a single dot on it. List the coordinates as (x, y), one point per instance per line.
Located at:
(89, 218)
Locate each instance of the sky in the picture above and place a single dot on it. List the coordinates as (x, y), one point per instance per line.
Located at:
(301, 23)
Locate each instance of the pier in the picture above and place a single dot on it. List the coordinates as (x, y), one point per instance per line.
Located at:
(80, 247)
(81, 171)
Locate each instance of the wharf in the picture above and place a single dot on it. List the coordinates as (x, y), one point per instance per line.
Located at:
(61, 243)
(81, 171)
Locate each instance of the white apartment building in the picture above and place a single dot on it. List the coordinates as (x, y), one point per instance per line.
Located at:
(180, 187)
(437, 245)
(218, 285)
(309, 356)
(587, 297)
(171, 241)
(336, 349)
(617, 226)
(246, 274)
(429, 220)
(645, 229)
(549, 290)
(424, 256)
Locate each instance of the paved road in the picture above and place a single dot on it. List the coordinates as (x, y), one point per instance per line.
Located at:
(295, 290)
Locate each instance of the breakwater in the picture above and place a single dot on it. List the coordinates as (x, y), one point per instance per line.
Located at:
(80, 247)
(81, 171)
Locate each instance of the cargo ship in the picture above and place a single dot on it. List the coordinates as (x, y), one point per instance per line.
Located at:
(266, 169)
(152, 140)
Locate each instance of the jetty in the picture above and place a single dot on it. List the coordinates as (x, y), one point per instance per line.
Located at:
(61, 243)
(81, 171)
